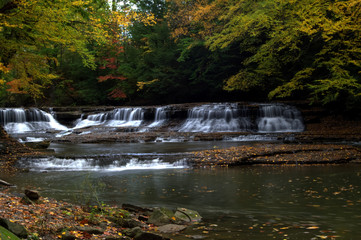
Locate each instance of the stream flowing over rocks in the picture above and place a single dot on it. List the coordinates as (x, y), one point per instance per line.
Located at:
(60, 146)
(271, 123)
(187, 122)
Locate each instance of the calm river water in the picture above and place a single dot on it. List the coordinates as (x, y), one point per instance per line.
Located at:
(252, 202)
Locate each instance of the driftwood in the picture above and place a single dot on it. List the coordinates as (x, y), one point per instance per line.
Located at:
(2, 182)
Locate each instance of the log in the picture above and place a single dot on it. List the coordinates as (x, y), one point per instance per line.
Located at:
(2, 182)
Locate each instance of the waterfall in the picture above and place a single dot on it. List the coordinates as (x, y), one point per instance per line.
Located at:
(159, 118)
(279, 118)
(121, 117)
(216, 118)
(16, 120)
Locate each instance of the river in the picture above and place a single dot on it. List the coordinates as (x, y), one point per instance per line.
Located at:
(251, 202)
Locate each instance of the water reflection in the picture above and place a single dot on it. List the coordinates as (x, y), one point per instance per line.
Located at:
(299, 202)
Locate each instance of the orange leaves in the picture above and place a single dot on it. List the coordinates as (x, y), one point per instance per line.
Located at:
(117, 93)
(195, 19)
(110, 76)
(15, 86)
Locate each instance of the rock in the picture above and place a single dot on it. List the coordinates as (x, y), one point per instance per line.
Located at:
(171, 228)
(32, 195)
(133, 208)
(2, 182)
(133, 232)
(26, 201)
(149, 236)
(68, 236)
(90, 230)
(161, 216)
(127, 222)
(38, 145)
(15, 228)
(187, 215)
(117, 238)
(197, 237)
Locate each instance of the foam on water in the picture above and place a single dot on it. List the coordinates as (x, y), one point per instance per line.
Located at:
(90, 164)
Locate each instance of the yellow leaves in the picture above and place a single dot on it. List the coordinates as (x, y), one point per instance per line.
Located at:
(312, 227)
(141, 85)
(79, 3)
(3, 68)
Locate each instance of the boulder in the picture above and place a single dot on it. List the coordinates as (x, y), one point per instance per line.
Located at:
(133, 232)
(6, 234)
(161, 216)
(126, 222)
(133, 208)
(15, 228)
(171, 228)
(38, 145)
(32, 195)
(187, 215)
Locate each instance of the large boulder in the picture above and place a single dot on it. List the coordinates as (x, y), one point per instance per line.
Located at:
(15, 228)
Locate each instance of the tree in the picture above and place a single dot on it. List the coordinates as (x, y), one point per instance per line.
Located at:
(288, 49)
(31, 31)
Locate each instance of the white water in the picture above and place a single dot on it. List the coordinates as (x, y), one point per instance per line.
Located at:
(121, 117)
(82, 164)
(279, 118)
(218, 117)
(160, 117)
(215, 118)
(17, 120)
(251, 138)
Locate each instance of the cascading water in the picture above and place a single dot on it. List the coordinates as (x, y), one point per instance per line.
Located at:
(279, 118)
(121, 117)
(216, 118)
(92, 164)
(17, 120)
(160, 117)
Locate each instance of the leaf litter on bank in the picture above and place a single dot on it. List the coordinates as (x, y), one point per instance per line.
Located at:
(278, 154)
(51, 219)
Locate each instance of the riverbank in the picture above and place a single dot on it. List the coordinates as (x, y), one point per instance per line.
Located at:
(278, 154)
(48, 218)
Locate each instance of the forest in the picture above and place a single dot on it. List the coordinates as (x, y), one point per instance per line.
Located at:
(98, 52)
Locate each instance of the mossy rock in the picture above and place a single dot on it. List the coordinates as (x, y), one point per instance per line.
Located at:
(187, 215)
(6, 234)
(161, 216)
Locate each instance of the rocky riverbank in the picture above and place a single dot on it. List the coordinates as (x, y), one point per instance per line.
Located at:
(44, 218)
